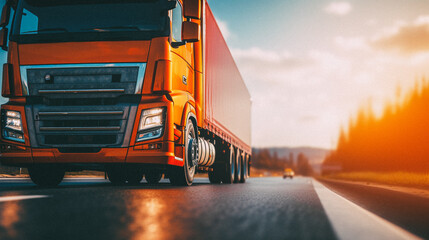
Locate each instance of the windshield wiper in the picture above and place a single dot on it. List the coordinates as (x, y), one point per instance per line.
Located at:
(103, 29)
(48, 30)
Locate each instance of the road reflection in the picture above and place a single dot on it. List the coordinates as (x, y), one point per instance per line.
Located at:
(152, 217)
(10, 213)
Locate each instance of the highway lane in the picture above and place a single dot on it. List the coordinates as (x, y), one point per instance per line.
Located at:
(263, 208)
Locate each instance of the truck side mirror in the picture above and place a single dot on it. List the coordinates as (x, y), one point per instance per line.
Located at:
(170, 4)
(190, 31)
(3, 38)
(5, 15)
(192, 9)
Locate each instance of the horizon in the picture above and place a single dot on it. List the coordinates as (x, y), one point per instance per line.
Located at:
(281, 147)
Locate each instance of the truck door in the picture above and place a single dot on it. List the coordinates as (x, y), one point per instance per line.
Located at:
(182, 57)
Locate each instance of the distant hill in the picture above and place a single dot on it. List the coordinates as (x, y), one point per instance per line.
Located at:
(315, 155)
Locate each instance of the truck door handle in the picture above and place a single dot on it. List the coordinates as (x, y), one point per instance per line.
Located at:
(184, 80)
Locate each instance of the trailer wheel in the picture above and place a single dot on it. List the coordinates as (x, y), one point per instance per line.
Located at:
(214, 177)
(46, 175)
(153, 177)
(248, 166)
(184, 176)
(229, 173)
(243, 169)
(239, 167)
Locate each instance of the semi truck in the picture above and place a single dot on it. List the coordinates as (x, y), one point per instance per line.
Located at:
(130, 87)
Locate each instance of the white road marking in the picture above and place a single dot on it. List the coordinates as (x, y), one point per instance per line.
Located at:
(351, 221)
(24, 197)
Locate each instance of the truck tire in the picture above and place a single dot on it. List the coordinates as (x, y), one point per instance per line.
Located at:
(117, 176)
(184, 176)
(134, 176)
(248, 166)
(243, 175)
(153, 177)
(214, 177)
(238, 168)
(229, 169)
(46, 175)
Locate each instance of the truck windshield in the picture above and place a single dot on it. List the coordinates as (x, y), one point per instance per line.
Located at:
(89, 20)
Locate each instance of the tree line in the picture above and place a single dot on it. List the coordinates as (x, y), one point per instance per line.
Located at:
(395, 141)
(264, 159)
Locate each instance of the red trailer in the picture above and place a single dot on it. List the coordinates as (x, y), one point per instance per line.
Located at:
(227, 102)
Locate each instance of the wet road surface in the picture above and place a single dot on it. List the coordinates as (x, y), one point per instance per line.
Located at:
(93, 209)
(262, 208)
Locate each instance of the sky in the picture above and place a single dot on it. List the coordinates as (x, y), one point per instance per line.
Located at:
(311, 64)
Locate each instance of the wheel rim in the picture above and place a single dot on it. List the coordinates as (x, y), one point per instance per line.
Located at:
(244, 168)
(233, 166)
(191, 138)
(239, 167)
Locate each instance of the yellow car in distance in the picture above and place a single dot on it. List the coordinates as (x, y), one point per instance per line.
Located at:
(288, 173)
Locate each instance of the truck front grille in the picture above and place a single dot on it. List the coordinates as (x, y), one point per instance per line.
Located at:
(80, 101)
(80, 139)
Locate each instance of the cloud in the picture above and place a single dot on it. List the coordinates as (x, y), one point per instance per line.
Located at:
(351, 43)
(260, 54)
(224, 29)
(266, 64)
(338, 8)
(308, 118)
(371, 22)
(408, 38)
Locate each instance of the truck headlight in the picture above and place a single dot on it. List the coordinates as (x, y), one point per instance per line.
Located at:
(12, 126)
(151, 124)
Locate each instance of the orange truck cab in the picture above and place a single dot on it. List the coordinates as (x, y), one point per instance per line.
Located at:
(130, 87)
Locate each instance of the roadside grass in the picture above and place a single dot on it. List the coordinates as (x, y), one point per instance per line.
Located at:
(406, 179)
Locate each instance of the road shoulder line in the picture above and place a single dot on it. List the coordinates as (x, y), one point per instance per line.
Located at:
(351, 221)
(23, 197)
(420, 192)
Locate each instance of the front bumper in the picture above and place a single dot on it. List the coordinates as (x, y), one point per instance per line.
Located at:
(12, 155)
(128, 151)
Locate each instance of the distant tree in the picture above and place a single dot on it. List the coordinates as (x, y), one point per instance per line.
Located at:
(303, 166)
(264, 159)
(291, 161)
(394, 141)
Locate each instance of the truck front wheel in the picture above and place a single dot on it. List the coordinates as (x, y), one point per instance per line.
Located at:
(184, 176)
(117, 176)
(134, 176)
(153, 177)
(46, 175)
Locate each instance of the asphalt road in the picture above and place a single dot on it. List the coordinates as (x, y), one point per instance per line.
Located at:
(262, 208)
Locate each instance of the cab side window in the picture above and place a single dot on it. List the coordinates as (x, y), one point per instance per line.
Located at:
(177, 23)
